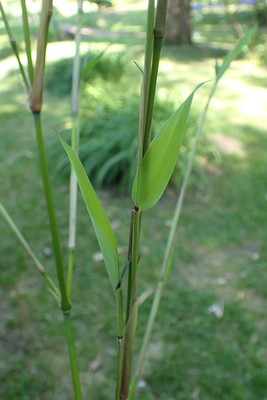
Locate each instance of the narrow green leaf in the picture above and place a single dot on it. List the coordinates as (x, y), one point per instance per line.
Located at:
(89, 65)
(102, 227)
(220, 69)
(159, 161)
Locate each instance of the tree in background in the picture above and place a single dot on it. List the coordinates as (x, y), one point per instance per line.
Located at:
(178, 29)
(261, 12)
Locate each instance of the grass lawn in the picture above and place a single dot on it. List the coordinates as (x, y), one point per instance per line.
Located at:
(210, 337)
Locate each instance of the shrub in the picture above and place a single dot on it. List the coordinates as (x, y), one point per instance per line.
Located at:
(59, 74)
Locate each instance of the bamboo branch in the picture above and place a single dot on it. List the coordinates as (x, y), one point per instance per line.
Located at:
(54, 290)
(14, 46)
(27, 38)
(75, 114)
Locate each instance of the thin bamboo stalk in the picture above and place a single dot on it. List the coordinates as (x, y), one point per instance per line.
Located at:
(75, 112)
(132, 320)
(146, 112)
(120, 322)
(65, 304)
(72, 356)
(158, 34)
(146, 77)
(142, 124)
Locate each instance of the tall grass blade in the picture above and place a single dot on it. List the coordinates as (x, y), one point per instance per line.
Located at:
(102, 227)
(159, 161)
(220, 69)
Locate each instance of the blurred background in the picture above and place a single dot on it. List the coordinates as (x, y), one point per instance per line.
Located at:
(210, 338)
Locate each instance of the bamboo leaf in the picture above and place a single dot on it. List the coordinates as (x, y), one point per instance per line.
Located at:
(159, 161)
(220, 69)
(102, 227)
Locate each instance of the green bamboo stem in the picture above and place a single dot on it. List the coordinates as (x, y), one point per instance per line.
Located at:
(158, 33)
(135, 253)
(120, 325)
(128, 351)
(36, 105)
(146, 112)
(27, 39)
(25, 245)
(146, 338)
(152, 91)
(65, 304)
(14, 46)
(142, 124)
(152, 58)
(146, 76)
(72, 356)
(132, 320)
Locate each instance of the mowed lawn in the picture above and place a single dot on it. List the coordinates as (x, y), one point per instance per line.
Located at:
(210, 337)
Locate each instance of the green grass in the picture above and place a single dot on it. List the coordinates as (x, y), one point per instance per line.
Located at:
(220, 255)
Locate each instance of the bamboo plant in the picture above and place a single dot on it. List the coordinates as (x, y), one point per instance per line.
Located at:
(156, 160)
(167, 262)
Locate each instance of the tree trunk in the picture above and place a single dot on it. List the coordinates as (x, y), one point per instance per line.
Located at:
(178, 28)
